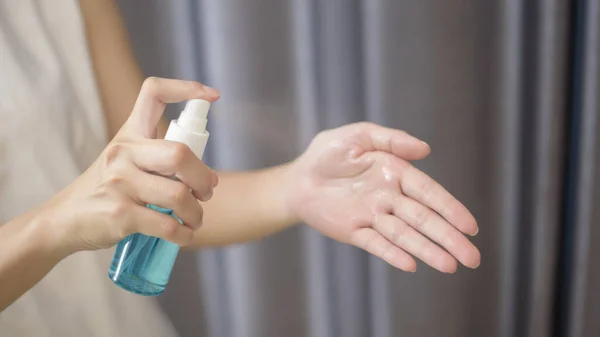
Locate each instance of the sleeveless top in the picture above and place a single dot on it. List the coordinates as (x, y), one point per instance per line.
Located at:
(51, 129)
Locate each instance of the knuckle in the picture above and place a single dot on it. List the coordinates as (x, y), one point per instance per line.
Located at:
(364, 125)
(421, 217)
(323, 133)
(362, 128)
(112, 153)
(397, 233)
(195, 86)
(179, 153)
(387, 253)
(369, 243)
(426, 186)
(180, 194)
(169, 228)
(452, 209)
(322, 136)
(103, 191)
(150, 85)
(449, 238)
(114, 180)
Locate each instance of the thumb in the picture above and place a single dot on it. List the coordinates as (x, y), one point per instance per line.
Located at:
(396, 142)
(154, 96)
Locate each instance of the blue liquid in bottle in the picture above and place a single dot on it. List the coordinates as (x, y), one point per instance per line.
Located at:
(142, 264)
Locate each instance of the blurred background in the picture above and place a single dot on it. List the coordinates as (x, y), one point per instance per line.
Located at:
(505, 92)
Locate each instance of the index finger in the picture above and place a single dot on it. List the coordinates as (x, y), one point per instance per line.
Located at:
(154, 96)
(170, 158)
(420, 187)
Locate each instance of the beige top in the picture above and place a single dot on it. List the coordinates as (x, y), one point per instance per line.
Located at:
(51, 129)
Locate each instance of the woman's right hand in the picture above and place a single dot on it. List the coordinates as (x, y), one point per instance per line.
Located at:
(108, 202)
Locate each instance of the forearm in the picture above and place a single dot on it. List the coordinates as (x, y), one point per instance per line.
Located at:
(245, 206)
(27, 254)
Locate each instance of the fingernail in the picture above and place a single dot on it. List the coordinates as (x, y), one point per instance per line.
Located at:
(211, 90)
(215, 179)
(476, 231)
(477, 265)
(425, 144)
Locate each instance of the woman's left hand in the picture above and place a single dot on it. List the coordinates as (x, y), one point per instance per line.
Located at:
(355, 184)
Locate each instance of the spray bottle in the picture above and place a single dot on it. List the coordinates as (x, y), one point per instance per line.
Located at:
(142, 264)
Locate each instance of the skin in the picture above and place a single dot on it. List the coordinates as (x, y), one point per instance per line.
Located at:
(354, 184)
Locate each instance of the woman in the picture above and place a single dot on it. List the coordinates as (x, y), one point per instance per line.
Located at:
(70, 82)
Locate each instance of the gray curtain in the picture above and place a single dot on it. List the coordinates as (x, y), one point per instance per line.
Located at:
(580, 295)
(505, 93)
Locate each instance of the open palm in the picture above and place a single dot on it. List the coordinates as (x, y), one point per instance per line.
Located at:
(355, 184)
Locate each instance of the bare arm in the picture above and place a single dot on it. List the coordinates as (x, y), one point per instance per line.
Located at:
(354, 184)
(27, 253)
(246, 205)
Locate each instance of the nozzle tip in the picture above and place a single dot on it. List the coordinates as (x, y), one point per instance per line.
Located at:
(197, 107)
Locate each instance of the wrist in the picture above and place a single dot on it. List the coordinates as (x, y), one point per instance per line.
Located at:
(47, 236)
(284, 199)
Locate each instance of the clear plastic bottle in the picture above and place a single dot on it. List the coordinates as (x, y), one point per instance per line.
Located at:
(142, 264)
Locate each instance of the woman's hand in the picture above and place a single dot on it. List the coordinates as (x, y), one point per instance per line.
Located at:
(355, 185)
(108, 202)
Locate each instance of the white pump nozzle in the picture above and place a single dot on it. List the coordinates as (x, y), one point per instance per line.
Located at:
(193, 117)
(190, 127)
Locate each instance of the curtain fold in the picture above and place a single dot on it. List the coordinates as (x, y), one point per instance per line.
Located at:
(583, 274)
